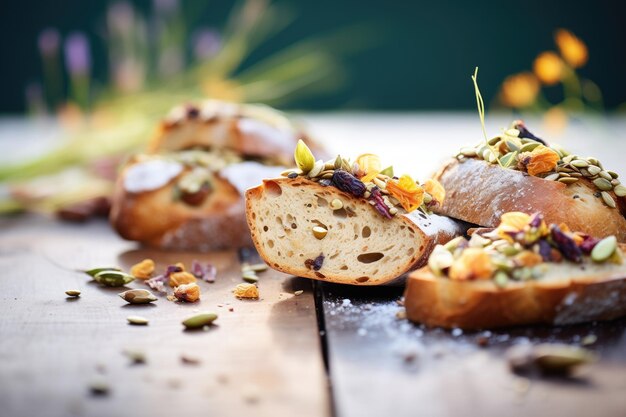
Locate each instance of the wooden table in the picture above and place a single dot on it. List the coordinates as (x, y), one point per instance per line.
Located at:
(332, 350)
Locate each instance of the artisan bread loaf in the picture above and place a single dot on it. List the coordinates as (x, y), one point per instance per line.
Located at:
(306, 229)
(479, 192)
(566, 294)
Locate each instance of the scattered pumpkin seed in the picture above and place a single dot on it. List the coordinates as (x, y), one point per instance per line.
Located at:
(99, 388)
(299, 292)
(336, 204)
(135, 355)
(250, 276)
(93, 272)
(604, 249)
(137, 320)
(137, 296)
(501, 279)
(590, 339)
(260, 267)
(319, 232)
(620, 190)
(199, 320)
(111, 278)
(73, 293)
(561, 358)
(608, 200)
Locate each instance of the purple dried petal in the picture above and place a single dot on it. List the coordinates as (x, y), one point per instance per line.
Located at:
(525, 133)
(566, 244)
(536, 220)
(172, 269)
(210, 273)
(545, 250)
(206, 272)
(348, 183)
(379, 203)
(158, 283)
(588, 244)
(196, 269)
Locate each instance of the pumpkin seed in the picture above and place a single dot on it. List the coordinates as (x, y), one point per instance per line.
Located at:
(250, 277)
(200, 320)
(613, 174)
(329, 166)
(299, 292)
(93, 272)
(319, 232)
(529, 147)
(380, 184)
(113, 278)
(427, 198)
(512, 132)
(568, 180)
(99, 388)
(493, 141)
(620, 190)
(388, 172)
(72, 293)
(469, 152)
(338, 162)
(605, 175)
(552, 177)
(137, 320)
(501, 279)
(594, 170)
(393, 211)
(137, 296)
(561, 358)
(260, 267)
(511, 145)
(580, 163)
(336, 204)
(603, 184)
(508, 159)
(304, 157)
(608, 200)
(569, 158)
(604, 249)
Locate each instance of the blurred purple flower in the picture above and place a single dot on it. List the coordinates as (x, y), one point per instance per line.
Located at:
(165, 6)
(48, 41)
(206, 43)
(77, 56)
(120, 17)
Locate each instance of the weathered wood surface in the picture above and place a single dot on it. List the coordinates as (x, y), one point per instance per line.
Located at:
(380, 365)
(263, 358)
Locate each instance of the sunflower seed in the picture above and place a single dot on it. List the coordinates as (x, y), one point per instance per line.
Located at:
(336, 204)
(319, 232)
(608, 199)
(603, 184)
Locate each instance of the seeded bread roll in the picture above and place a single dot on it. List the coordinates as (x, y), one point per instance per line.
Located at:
(479, 192)
(566, 294)
(296, 231)
(252, 131)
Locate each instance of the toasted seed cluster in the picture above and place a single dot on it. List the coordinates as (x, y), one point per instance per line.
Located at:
(505, 148)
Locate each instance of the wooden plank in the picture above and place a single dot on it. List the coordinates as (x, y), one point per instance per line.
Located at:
(263, 358)
(380, 365)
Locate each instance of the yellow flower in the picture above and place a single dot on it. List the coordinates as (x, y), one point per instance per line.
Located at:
(409, 194)
(370, 164)
(548, 67)
(519, 90)
(435, 189)
(573, 50)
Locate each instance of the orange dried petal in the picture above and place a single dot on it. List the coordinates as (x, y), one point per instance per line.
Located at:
(528, 258)
(435, 189)
(474, 263)
(541, 160)
(407, 192)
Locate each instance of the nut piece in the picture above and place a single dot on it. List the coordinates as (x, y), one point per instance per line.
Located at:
(180, 278)
(319, 232)
(137, 296)
(249, 291)
(189, 293)
(336, 204)
(143, 270)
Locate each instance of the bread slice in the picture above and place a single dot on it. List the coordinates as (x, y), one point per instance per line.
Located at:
(361, 247)
(480, 192)
(566, 294)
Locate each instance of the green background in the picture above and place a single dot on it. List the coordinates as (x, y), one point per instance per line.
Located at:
(421, 57)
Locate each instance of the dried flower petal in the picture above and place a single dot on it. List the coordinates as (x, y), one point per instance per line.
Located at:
(370, 165)
(435, 189)
(541, 160)
(189, 293)
(143, 269)
(206, 272)
(566, 244)
(379, 203)
(474, 263)
(179, 278)
(407, 192)
(246, 291)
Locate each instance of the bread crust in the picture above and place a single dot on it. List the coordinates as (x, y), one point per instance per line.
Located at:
(479, 192)
(473, 305)
(424, 229)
